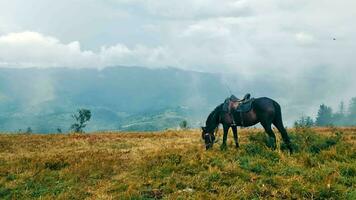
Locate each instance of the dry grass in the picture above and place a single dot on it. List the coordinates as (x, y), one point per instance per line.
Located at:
(174, 165)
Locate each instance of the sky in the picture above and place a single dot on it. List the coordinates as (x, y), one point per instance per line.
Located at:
(304, 48)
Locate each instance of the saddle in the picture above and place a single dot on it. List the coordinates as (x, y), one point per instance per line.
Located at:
(245, 105)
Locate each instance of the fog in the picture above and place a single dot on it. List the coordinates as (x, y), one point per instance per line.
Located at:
(299, 53)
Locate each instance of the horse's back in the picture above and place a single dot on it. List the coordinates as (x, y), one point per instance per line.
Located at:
(264, 104)
(265, 101)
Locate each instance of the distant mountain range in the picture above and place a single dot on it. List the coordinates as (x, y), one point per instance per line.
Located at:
(120, 98)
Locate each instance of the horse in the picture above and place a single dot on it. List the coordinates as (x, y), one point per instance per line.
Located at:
(263, 110)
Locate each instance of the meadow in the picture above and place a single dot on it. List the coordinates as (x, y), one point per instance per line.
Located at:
(174, 165)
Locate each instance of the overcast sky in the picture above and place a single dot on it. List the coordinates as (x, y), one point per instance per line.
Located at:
(307, 46)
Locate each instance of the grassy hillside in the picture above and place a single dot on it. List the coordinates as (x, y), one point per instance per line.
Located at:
(174, 165)
(117, 97)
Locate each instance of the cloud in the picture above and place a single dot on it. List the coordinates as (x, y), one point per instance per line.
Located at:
(246, 36)
(286, 44)
(304, 38)
(206, 30)
(32, 49)
(3, 97)
(190, 9)
(137, 56)
(42, 90)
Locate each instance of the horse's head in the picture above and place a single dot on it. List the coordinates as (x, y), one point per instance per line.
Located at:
(208, 137)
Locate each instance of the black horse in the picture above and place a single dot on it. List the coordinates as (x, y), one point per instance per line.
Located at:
(263, 110)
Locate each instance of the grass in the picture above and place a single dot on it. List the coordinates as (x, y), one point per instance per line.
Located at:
(174, 165)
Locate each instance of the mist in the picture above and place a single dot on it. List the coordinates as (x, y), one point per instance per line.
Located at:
(298, 53)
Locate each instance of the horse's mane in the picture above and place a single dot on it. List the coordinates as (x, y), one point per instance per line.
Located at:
(213, 119)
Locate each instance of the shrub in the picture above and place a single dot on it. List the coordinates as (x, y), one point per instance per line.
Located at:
(348, 170)
(81, 119)
(306, 139)
(253, 149)
(56, 165)
(332, 192)
(183, 125)
(5, 193)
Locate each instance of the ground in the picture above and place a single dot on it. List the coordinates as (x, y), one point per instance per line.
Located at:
(175, 165)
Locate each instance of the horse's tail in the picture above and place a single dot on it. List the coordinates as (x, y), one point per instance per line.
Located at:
(278, 122)
(278, 113)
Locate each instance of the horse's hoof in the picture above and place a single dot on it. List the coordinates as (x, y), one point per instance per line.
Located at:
(237, 146)
(271, 143)
(290, 151)
(290, 148)
(223, 147)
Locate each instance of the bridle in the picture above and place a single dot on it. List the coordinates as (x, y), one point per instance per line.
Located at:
(211, 135)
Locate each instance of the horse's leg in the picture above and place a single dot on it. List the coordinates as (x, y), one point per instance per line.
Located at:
(216, 131)
(283, 131)
(226, 130)
(272, 136)
(234, 130)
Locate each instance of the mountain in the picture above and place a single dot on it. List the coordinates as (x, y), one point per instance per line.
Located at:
(120, 98)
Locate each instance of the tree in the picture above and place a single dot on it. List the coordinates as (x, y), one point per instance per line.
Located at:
(352, 112)
(81, 118)
(325, 116)
(183, 124)
(342, 108)
(339, 117)
(304, 121)
(29, 130)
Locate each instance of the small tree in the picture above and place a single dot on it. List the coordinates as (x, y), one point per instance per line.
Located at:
(342, 108)
(81, 118)
(325, 116)
(183, 124)
(339, 117)
(352, 112)
(29, 130)
(304, 122)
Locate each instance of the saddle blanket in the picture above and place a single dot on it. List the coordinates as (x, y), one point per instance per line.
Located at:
(245, 106)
